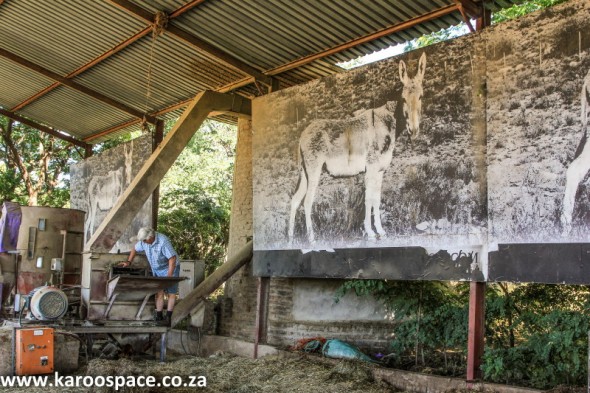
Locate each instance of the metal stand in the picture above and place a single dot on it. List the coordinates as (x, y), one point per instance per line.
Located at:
(106, 329)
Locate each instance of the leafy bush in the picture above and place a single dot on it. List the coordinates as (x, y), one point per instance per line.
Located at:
(197, 226)
(536, 335)
(430, 321)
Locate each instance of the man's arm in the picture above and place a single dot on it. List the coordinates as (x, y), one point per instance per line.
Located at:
(171, 266)
(129, 258)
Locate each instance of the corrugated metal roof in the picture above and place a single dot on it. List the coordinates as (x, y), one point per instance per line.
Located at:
(265, 35)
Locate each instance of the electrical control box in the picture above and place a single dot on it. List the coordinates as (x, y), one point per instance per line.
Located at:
(33, 351)
(194, 271)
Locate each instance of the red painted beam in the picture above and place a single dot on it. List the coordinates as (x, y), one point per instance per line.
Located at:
(475, 336)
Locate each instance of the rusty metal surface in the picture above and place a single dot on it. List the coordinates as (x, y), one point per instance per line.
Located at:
(27, 281)
(137, 288)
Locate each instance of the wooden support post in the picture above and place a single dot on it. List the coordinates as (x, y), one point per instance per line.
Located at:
(211, 283)
(88, 151)
(475, 338)
(158, 137)
(261, 313)
(485, 20)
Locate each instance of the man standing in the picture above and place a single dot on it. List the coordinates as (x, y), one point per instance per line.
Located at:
(163, 261)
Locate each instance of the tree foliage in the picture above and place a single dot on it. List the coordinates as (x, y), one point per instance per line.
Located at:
(436, 37)
(524, 8)
(195, 195)
(34, 165)
(536, 335)
(430, 319)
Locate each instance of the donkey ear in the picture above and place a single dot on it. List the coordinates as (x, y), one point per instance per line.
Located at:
(422, 65)
(403, 72)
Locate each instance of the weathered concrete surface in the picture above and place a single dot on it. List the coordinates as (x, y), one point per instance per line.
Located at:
(238, 305)
(416, 382)
(313, 300)
(408, 381)
(209, 345)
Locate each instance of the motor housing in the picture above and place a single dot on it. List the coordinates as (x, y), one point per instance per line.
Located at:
(48, 303)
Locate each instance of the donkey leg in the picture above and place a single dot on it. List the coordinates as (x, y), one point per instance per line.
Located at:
(377, 204)
(575, 174)
(296, 202)
(370, 179)
(313, 182)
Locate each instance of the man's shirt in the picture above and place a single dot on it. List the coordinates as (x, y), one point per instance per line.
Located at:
(158, 253)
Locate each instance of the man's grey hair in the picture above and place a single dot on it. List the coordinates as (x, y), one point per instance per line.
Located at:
(145, 233)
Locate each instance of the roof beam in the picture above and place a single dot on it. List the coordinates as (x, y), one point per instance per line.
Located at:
(468, 10)
(362, 40)
(178, 105)
(286, 67)
(45, 129)
(85, 67)
(73, 85)
(117, 48)
(192, 40)
(185, 8)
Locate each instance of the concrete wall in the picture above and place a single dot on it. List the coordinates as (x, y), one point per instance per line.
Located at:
(298, 308)
(239, 304)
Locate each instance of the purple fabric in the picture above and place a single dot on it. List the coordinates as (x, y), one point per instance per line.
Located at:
(9, 226)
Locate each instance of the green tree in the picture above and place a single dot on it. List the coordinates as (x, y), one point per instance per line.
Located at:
(430, 321)
(519, 10)
(34, 165)
(438, 36)
(195, 195)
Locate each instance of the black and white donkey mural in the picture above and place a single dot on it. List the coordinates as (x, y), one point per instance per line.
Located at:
(97, 183)
(579, 168)
(362, 144)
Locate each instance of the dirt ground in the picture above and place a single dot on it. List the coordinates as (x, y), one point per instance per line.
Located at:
(228, 373)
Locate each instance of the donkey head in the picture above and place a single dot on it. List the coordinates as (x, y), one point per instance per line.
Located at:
(412, 96)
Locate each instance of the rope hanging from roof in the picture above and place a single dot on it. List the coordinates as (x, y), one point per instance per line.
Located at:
(158, 27)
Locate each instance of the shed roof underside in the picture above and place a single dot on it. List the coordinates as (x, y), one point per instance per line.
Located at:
(83, 67)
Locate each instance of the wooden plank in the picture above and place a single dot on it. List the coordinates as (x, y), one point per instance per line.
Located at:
(154, 169)
(211, 283)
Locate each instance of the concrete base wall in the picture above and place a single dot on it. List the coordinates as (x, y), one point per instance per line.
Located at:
(182, 343)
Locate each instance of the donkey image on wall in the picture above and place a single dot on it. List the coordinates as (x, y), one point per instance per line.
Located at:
(580, 165)
(348, 147)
